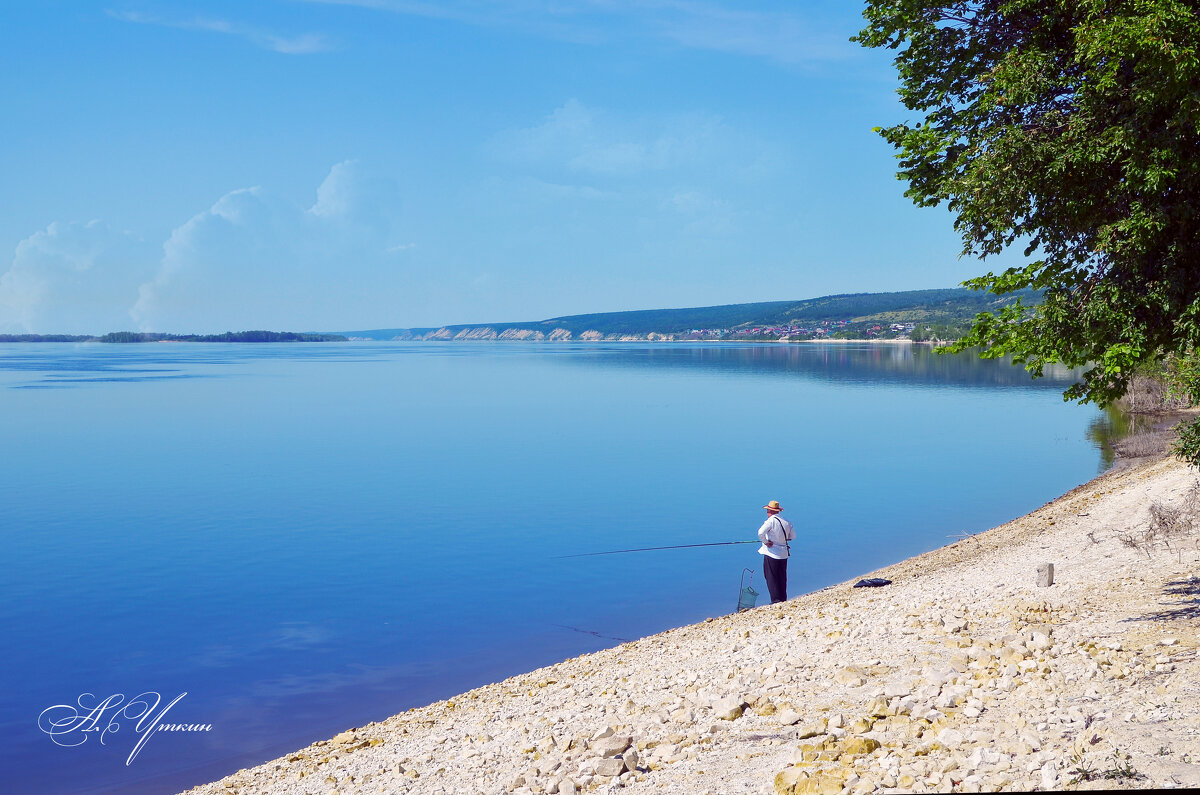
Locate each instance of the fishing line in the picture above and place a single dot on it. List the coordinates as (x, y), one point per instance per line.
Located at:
(653, 549)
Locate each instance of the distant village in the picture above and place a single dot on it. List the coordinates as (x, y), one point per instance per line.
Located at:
(833, 329)
(936, 316)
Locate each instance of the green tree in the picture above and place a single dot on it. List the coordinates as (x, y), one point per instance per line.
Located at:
(1071, 127)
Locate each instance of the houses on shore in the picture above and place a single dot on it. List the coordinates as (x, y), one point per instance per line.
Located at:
(816, 330)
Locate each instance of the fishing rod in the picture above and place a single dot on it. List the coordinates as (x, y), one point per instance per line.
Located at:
(654, 549)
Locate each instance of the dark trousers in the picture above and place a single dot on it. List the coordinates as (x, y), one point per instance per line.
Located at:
(775, 573)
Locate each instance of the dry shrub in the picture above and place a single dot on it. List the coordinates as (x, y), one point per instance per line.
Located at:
(1144, 395)
(1168, 524)
(1150, 395)
(1145, 443)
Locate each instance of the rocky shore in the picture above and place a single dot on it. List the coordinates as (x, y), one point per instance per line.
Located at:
(963, 675)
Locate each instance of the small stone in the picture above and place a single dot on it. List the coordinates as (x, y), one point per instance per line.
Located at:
(941, 676)
(811, 730)
(788, 717)
(729, 708)
(849, 677)
(612, 745)
(859, 746)
(1045, 575)
(610, 767)
(794, 781)
(982, 756)
(950, 738)
(861, 726)
(879, 708)
(1049, 775)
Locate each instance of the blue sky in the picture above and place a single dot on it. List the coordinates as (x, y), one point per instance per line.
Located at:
(210, 166)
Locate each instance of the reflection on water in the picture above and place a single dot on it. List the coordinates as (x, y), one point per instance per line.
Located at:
(842, 363)
(1113, 425)
(65, 365)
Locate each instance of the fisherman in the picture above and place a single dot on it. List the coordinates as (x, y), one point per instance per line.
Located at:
(774, 535)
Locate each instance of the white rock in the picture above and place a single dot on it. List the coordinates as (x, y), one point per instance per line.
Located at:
(982, 756)
(941, 676)
(729, 708)
(849, 678)
(811, 730)
(611, 746)
(951, 738)
(1049, 775)
(610, 767)
(788, 717)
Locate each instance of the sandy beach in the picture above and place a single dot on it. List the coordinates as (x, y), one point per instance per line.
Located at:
(962, 675)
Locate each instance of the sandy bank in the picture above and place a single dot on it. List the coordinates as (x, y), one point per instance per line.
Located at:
(963, 675)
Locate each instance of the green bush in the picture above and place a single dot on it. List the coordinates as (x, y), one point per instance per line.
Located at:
(1187, 445)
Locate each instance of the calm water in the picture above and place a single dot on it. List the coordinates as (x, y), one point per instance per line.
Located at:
(305, 538)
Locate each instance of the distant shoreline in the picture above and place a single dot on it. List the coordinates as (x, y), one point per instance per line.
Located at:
(668, 339)
(136, 337)
(217, 338)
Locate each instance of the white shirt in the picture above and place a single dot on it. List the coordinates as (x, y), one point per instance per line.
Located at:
(777, 530)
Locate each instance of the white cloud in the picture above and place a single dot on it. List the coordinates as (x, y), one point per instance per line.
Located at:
(542, 190)
(591, 141)
(302, 44)
(782, 36)
(73, 279)
(253, 260)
